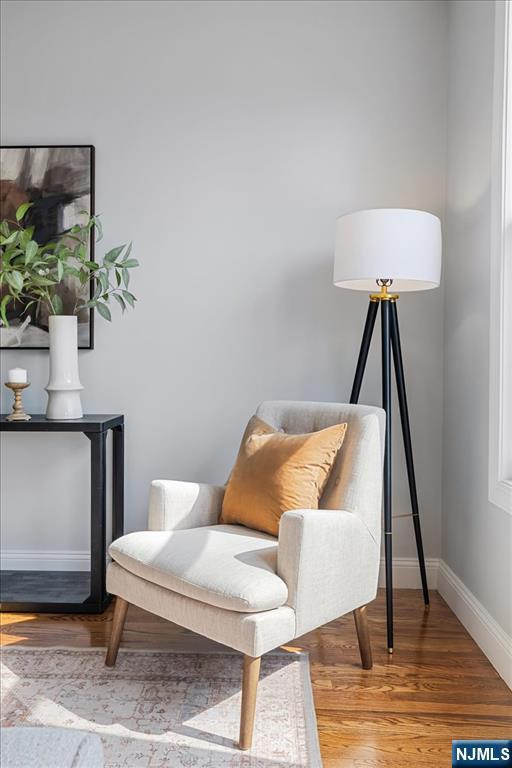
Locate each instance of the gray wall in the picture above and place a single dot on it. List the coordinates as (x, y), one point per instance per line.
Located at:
(477, 536)
(229, 137)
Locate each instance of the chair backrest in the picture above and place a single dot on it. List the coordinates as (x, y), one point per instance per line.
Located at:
(355, 482)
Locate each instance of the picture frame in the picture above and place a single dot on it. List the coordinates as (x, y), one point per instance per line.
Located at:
(60, 180)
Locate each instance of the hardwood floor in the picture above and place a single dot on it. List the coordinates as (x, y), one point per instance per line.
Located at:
(438, 685)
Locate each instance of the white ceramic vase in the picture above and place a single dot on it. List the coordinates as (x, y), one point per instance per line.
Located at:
(64, 385)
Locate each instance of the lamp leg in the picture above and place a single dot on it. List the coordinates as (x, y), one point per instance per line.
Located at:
(363, 352)
(386, 404)
(406, 432)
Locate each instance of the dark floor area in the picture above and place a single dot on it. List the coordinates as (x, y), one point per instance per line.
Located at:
(44, 586)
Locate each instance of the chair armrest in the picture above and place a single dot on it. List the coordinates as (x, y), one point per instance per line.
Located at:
(175, 505)
(329, 562)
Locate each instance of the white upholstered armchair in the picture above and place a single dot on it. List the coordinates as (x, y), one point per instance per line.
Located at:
(246, 589)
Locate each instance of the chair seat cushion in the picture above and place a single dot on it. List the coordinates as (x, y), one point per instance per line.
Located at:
(228, 566)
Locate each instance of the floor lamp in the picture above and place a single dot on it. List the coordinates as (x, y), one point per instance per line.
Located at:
(400, 250)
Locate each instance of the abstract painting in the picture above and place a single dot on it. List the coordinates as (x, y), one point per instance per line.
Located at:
(59, 181)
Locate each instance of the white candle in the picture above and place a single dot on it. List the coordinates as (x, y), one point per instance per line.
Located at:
(17, 376)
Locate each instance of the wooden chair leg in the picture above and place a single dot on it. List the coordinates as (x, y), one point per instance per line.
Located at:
(363, 636)
(249, 689)
(120, 608)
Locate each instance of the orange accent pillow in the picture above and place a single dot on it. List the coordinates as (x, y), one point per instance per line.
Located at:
(275, 472)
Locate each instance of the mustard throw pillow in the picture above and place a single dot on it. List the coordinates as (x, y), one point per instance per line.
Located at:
(276, 472)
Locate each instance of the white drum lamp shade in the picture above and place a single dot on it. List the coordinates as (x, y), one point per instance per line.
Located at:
(395, 244)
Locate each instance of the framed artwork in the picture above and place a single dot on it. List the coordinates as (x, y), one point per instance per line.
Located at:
(59, 181)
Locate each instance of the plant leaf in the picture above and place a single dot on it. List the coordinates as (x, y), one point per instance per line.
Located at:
(129, 263)
(98, 227)
(9, 239)
(130, 298)
(37, 280)
(11, 252)
(80, 252)
(88, 304)
(27, 306)
(104, 311)
(22, 210)
(15, 279)
(119, 300)
(60, 270)
(30, 251)
(57, 304)
(71, 271)
(112, 255)
(126, 277)
(3, 306)
(102, 277)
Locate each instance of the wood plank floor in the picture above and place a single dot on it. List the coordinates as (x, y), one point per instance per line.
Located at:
(437, 685)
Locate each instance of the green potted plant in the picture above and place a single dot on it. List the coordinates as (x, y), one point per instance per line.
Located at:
(30, 274)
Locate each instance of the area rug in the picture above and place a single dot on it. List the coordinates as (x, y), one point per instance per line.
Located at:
(156, 708)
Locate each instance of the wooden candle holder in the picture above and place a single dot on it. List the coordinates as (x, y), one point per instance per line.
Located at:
(18, 414)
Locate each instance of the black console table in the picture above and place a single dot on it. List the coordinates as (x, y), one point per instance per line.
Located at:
(74, 591)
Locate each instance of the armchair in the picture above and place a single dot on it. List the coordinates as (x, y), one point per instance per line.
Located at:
(244, 588)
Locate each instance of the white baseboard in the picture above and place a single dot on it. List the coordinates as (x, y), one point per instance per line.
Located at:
(60, 560)
(405, 569)
(485, 631)
(406, 572)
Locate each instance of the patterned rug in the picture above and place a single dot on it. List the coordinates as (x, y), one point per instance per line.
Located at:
(156, 708)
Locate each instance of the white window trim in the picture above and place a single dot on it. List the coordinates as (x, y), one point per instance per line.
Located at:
(500, 379)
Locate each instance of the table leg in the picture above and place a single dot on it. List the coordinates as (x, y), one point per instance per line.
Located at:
(98, 515)
(118, 482)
